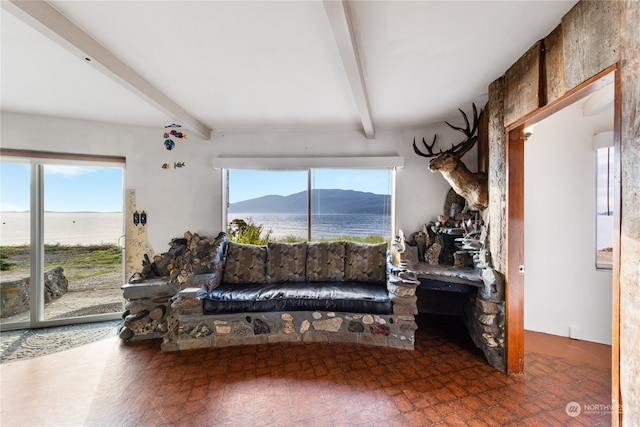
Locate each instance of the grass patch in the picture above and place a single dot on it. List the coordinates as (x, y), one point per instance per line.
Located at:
(78, 261)
(372, 239)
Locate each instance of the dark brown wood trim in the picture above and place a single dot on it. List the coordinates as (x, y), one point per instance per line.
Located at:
(514, 309)
(10, 152)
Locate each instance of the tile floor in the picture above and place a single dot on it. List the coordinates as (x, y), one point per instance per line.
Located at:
(445, 381)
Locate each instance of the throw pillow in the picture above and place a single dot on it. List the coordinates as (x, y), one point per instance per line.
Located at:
(286, 262)
(366, 263)
(245, 263)
(325, 261)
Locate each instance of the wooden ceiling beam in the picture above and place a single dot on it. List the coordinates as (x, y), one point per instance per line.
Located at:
(341, 23)
(48, 20)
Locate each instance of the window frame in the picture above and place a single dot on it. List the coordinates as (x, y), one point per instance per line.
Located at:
(391, 163)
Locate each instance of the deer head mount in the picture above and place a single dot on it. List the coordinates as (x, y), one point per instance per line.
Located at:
(472, 186)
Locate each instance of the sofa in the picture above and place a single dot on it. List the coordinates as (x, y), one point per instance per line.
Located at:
(292, 292)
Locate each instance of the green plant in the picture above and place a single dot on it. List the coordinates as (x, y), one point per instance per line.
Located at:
(5, 265)
(248, 232)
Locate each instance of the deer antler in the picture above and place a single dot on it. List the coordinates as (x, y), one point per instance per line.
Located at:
(428, 147)
(461, 149)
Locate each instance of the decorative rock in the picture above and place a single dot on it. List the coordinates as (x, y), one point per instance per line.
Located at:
(317, 315)
(286, 317)
(433, 254)
(288, 327)
(379, 329)
(488, 307)
(487, 319)
(242, 329)
(331, 314)
(260, 327)
(136, 316)
(135, 306)
(304, 327)
(161, 299)
(367, 319)
(489, 340)
(223, 329)
(330, 325)
(379, 319)
(355, 326)
(157, 313)
(125, 333)
(201, 331)
(144, 328)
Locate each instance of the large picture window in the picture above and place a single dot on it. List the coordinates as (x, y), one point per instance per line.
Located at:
(312, 204)
(62, 226)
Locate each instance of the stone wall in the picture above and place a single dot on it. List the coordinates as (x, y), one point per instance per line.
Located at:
(147, 309)
(15, 294)
(202, 331)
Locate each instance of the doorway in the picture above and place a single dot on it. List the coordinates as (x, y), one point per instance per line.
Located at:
(516, 135)
(568, 290)
(62, 226)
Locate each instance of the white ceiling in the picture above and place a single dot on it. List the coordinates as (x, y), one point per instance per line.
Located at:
(239, 65)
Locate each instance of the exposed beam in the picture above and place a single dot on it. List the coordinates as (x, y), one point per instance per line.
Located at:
(340, 19)
(48, 20)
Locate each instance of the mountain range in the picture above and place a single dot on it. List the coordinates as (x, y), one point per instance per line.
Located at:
(322, 202)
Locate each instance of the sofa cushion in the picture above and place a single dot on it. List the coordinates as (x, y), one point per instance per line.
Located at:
(365, 263)
(245, 263)
(325, 261)
(348, 297)
(286, 262)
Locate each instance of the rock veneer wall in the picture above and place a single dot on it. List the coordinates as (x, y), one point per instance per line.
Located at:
(147, 309)
(484, 314)
(202, 331)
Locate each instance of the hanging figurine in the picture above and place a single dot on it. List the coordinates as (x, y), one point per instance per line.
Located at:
(179, 165)
(166, 166)
(169, 144)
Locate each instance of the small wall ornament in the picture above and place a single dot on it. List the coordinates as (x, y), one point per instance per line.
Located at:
(169, 144)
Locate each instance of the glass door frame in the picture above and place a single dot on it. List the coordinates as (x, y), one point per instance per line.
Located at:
(37, 163)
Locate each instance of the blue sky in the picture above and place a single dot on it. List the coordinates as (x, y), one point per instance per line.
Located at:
(99, 189)
(247, 184)
(67, 188)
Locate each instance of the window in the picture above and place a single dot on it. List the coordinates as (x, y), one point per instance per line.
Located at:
(62, 223)
(604, 207)
(312, 204)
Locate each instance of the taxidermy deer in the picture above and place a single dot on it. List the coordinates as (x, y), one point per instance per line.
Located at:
(472, 186)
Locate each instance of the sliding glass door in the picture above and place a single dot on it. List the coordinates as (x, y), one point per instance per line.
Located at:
(61, 234)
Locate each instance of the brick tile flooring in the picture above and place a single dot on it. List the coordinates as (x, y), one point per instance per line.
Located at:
(445, 381)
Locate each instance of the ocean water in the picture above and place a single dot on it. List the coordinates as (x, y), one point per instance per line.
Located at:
(67, 228)
(323, 225)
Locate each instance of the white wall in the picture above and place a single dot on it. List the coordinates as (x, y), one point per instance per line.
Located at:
(177, 200)
(562, 288)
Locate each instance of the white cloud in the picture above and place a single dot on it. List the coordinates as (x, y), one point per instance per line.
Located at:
(69, 171)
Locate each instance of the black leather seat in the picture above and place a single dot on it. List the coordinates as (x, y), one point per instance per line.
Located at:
(350, 297)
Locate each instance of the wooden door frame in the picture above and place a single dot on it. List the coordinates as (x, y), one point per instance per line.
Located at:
(514, 240)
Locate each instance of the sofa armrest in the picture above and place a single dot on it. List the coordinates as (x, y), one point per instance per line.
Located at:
(402, 284)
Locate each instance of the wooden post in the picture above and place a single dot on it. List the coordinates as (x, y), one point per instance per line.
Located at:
(514, 309)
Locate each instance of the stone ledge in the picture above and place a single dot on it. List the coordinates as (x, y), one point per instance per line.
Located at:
(392, 330)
